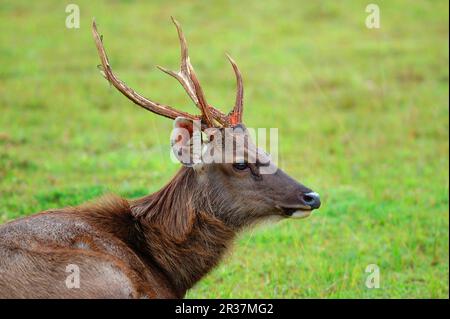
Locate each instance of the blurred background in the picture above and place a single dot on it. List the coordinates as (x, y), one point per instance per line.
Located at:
(362, 116)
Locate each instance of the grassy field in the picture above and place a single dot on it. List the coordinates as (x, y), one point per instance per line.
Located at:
(362, 117)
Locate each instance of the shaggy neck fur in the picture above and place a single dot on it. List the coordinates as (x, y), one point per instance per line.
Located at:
(180, 231)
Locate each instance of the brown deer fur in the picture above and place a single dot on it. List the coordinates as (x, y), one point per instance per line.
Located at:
(178, 242)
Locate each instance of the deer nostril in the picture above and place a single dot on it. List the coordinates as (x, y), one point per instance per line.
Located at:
(311, 199)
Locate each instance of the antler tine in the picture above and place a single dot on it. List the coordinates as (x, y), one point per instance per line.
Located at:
(188, 79)
(138, 99)
(235, 115)
(183, 75)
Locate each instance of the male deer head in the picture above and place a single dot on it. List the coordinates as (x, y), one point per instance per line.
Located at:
(239, 191)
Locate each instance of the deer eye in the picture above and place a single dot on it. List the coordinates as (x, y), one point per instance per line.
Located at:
(240, 166)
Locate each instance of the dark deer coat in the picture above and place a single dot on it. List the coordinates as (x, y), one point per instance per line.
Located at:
(156, 247)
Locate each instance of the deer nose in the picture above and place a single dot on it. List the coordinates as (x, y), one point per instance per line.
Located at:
(311, 199)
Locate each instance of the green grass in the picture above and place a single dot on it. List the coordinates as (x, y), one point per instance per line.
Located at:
(362, 116)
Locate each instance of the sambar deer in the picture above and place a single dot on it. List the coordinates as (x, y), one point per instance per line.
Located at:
(160, 245)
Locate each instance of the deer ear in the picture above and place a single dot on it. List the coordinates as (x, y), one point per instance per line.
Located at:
(185, 139)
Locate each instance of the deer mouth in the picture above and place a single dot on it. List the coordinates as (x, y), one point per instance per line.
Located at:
(296, 212)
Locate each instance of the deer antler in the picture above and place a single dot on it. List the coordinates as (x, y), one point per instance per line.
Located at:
(138, 99)
(187, 78)
(235, 115)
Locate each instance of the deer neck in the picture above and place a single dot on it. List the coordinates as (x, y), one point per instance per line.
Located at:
(180, 233)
